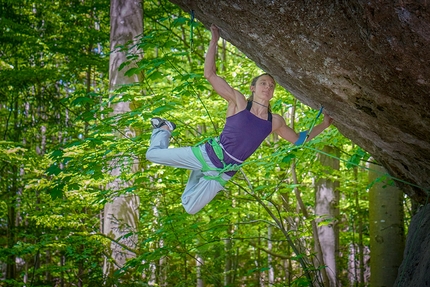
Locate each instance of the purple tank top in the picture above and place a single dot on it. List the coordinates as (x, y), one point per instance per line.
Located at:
(242, 135)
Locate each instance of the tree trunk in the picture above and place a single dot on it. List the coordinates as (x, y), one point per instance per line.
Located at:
(271, 277)
(11, 228)
(228, 258)
(121, 216)
(199, 264)
(387, 238)
(327, 212)
(358, 258)
(360, 246)
(11, 188)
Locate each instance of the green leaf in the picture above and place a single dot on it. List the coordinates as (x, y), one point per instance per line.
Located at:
(156, 75)
(73, 186)
(132, 71)
(53, 169)
(288, 158)
(82, 100)
(358, 156)
(257, 270)
(300, 282)
(57, 191)
(57, 154)
(180, 21)
(162, 109)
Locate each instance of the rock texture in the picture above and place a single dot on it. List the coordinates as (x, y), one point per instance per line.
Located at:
(366, 62)
(414, 271)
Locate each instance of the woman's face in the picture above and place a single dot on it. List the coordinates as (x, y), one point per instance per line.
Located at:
(264, 87)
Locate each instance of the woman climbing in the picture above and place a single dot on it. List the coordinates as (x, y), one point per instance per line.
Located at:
(248, 123)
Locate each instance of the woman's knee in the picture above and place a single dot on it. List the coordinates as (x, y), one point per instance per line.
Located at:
(190, 204)
(192, 210)
(151, 155)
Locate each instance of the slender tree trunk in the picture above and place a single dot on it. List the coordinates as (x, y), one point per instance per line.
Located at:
(11, 228)
(186, 271)
(318, 249)
(387, 238)
(269, 256)
(11, 201)
(327, 212)
(48, 261)
(361, 266)
(199, 264)
(301, 207)
(228, 258)
(260, 261)
(291, 264)
(121, 216)
(62, 264)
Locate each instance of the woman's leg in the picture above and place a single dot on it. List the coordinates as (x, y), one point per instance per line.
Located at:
(199, 191)
(158, 152)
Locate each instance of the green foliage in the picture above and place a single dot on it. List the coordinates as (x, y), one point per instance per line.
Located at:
(48, 219)
(358, 156)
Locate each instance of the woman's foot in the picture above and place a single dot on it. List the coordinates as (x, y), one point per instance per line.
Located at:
(160, 123)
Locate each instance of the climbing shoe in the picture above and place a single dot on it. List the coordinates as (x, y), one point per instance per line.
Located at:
(159, 122)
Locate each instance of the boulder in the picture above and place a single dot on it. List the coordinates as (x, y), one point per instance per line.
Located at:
(414, 270)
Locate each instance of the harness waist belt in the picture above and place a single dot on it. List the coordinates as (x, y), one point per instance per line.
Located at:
(229, 155)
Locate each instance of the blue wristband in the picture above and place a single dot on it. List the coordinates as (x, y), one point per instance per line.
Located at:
(302, 138)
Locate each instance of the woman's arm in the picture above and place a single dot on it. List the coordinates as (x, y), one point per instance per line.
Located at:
(218, 83)
(316, 130)
(287, 133)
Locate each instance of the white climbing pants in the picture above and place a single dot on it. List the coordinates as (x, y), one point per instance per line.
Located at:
(198, 191)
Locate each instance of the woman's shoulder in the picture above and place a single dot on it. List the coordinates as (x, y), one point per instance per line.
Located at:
(277, 121)
(277, 117)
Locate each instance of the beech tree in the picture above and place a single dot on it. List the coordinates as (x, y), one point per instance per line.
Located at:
(121, 216)
(327, 212)
(386, 218)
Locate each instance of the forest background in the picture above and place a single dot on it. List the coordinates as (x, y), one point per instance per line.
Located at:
(60, 142)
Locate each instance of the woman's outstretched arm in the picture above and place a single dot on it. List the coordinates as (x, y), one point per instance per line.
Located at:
(287, 133)
(218, 83)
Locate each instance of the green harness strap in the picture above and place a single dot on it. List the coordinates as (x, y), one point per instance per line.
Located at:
(205, 167)
(219, 153)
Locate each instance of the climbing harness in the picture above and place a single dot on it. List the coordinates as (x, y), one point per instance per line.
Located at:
(219, 152)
